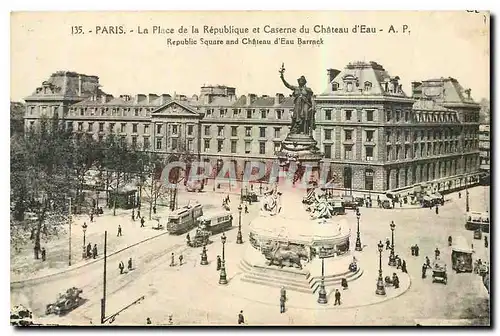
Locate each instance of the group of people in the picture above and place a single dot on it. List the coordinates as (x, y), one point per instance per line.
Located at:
(91, 252)
(172, 259)
(121, 266)
(134, 217)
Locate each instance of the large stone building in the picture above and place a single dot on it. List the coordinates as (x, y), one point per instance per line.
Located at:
(484, 147)
(373, 135)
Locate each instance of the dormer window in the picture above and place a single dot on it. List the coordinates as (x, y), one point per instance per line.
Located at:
(335, 86)
(349, 86)
(368, 86)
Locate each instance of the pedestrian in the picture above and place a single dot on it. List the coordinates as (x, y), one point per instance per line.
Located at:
(89, 250)
(417, 249)
(241, 318)
(403, 267)
(459, 194)
(133, 216)
(180, 259)
(148, 321)
(119, 234)
(188, 239)
(282, 304)
(283, 292)
(154, 209)
(387, 244)
(129, 264)
(93, 205)
(344, 284)
(44, 254)
(142, 221)
(428, 261)
(450, 240)
(94, 251)
(138, 213)
(92, 217)
(337, 298)
(400, 203)
(486, 241)
(395, 280)
(437, 209)
(424, 270)
(412, 248)
(436, 253)
(246, 208)
(172, 261)
(121, 266)
(219, 263)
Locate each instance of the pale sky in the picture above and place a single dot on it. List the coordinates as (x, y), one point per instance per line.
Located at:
(440, 44)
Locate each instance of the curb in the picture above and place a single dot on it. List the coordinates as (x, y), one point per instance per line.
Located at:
(20, 282)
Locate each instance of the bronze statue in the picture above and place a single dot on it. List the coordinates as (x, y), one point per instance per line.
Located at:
(303, 121)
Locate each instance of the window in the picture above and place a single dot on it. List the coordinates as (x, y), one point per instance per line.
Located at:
(222, 112)
(100, 138)
(263, 114)
(134, 128)
(32, 110)
(335, 86)
(349, 87)
(136, 112)
(207, 130)
(398, 113)
(348, 115)
(234, 131)
(190, 145)
(236, 112)
(134, 141)
(368, 86)
(277, 146)
(190, 129)
(407, 136)
(80, 126)
(249, 114)
(328, 114)
(220, 145)
(398, 136)
(32, 124)
(328, 134)
(407, 116)
(262, 147)
(398, 150)
(407, 152)
(112, 127)
(248, 131)
(233, 146)
(146, 129)
(389, 153)
(174, 143)
(348, 135)
(279, 114)
(369, 179)
(248, 147)
(220, 130)
(206, 145)
(369, 153)
(103, 112)
(209, 112)
(328, 151)
(369, 115)
(101, 127)
(69, 125)
(277, 132)
(90, 127)
(388, 115)
(158, 129)
(82, 111)
(175, 129)
(158, 143)
(348, 152)
(369, 136)
(262, 132)
(146, 143)
(122, 127)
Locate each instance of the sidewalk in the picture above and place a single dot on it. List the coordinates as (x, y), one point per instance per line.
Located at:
(23, 266)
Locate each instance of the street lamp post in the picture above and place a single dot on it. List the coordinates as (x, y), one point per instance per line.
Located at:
(467, 209)
(241, 187)
(322, 299)
(380, 282)
(358, 247)
(392, 258)
(223, 275)
(239, 237)
(84, 228)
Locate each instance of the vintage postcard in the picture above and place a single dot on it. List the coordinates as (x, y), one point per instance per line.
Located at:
(251, 168)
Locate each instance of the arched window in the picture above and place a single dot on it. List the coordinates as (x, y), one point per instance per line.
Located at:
(368, 86)
(369, 179)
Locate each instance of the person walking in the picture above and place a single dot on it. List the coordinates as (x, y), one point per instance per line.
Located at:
(138, 213)
(337, 297)
(129, 264)
(180, 259)
(148, 320)
(417, 249)
(437, 209)
(412, 248)
(241, 318)
(92, 216)
(403, 267)
(246, 208)
(121, 266)
(89, 250)
(44, 254)
(119, 234)
(395, 280)
(154, 209)
(428, 261)
(283, 292)
(459, 194)
(450, 241)
(133, 216)
(94, 251)
(486, 241)
(219, 263)
(437, 253)
(424, 270)
(282, 304)
(172, 261)
(142, 221)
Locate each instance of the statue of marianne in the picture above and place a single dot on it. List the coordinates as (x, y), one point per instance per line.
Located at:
(303, 121)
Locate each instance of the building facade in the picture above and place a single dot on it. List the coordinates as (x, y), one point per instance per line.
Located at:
(373, 136)
(484, 147)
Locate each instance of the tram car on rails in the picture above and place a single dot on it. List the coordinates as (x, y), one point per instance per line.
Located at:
(461, 255)
(478, 220)
(184, 219)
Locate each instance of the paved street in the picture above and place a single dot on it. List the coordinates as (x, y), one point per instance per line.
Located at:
(191, 294)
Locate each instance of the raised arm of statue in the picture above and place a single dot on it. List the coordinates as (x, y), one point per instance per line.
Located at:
(291, 87)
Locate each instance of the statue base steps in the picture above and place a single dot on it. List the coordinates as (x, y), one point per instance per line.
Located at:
(307, 280)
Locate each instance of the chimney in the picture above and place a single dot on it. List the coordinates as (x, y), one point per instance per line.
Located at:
(79, 85)
(152, 97)
(250, 98)
(139, 98)
(332, 73)
(278, 99)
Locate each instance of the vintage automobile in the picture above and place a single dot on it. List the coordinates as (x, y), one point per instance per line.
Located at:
(65, 302)
(201, 237)
(351, 202)
(439, 272)
(461, 255)
(249, 196)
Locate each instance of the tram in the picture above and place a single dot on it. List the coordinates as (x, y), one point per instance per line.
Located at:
(184, 219)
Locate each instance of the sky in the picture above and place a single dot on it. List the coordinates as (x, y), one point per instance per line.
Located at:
(435, 44)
